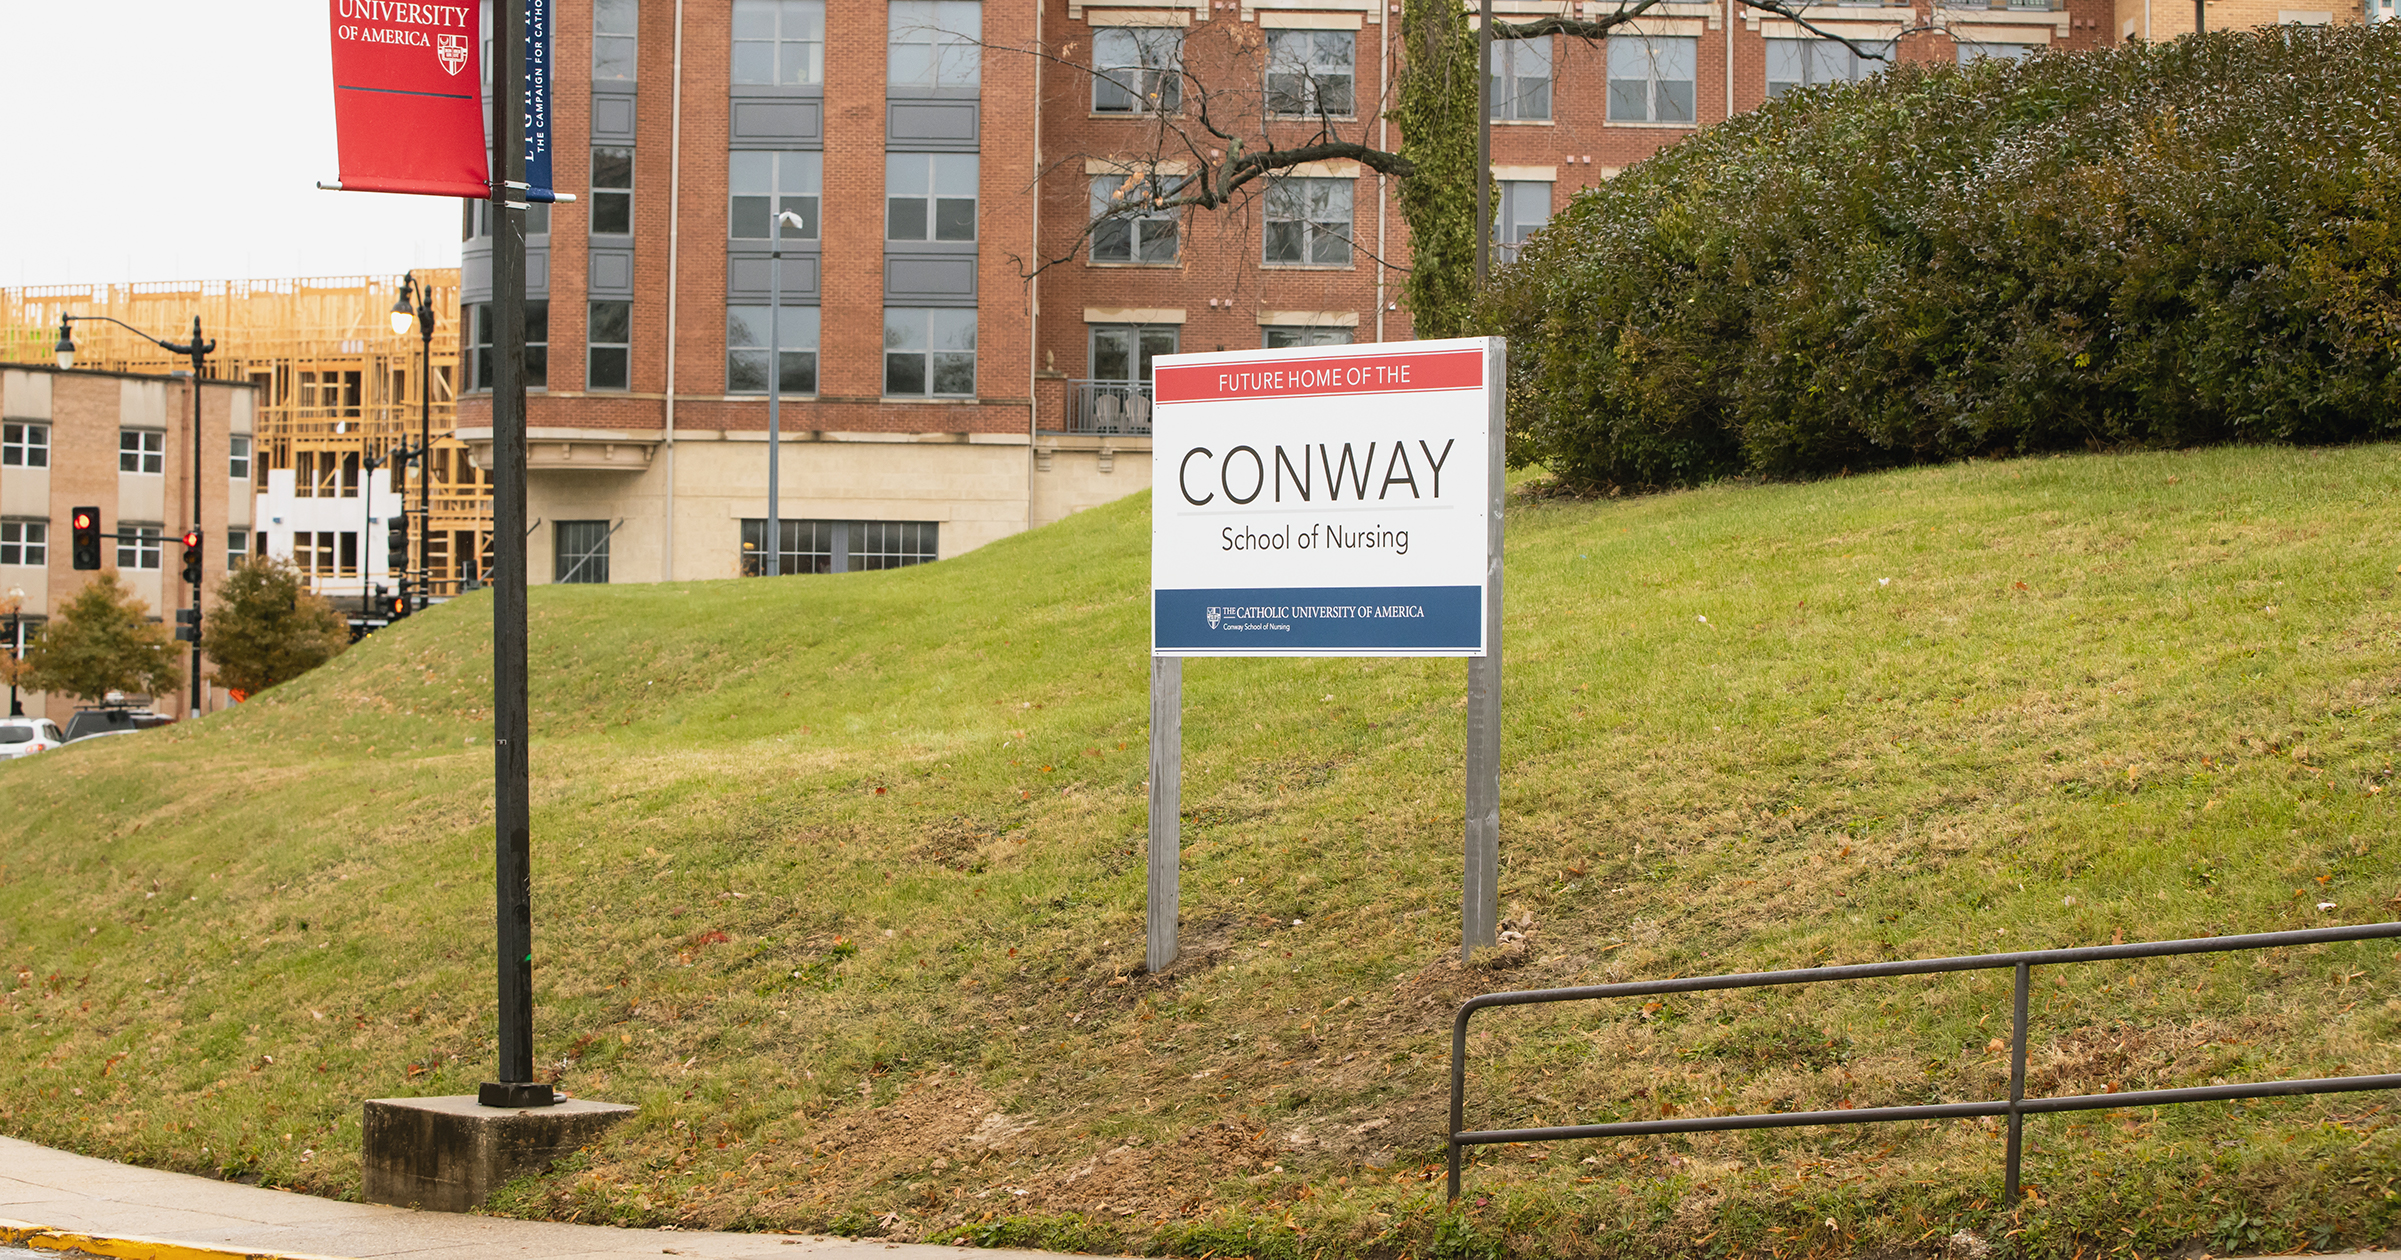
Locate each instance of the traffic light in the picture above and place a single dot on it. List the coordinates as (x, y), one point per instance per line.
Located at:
(396, 544)
(187, 625)
(396, 606)
(191, 557)
(87, 537)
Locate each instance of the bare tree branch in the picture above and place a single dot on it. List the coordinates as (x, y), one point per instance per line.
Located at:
(1594, 29)
(1219, 139)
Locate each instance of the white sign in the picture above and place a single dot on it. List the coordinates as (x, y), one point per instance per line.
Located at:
(1329, 501)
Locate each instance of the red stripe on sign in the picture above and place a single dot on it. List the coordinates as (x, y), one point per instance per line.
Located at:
(1317, 375)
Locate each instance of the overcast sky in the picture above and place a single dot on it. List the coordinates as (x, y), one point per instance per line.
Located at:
(151, 140)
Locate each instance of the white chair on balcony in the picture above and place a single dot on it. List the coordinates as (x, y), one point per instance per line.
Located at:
(1107, 413)
(1137, 413)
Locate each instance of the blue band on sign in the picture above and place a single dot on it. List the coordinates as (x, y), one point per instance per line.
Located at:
(1269, 620)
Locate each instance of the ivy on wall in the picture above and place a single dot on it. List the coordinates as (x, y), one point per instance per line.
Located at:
(1436, 111)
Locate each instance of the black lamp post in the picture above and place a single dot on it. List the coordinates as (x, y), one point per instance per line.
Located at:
(16, 653)
(199, 351)
(424, 315)
(367, 464)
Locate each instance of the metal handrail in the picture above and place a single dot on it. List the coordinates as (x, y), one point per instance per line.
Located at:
(2016, 1107)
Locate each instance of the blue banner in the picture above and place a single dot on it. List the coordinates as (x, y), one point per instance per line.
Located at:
(1276, 621)
(537, 101)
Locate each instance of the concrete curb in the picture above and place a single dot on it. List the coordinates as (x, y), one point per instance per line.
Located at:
(80, 1242)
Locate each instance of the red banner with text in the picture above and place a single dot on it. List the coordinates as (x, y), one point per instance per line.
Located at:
(407, 98)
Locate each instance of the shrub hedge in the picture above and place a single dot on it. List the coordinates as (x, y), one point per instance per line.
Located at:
(2164, 244)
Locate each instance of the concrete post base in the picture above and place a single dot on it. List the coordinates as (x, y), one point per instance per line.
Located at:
(449, 1154)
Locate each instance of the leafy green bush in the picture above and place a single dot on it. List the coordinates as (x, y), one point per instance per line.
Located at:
(2153, 245)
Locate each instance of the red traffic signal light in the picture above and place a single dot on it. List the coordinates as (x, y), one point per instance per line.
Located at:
(191, 538)
(87, 537)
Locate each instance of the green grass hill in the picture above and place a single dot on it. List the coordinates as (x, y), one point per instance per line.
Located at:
(840, 879)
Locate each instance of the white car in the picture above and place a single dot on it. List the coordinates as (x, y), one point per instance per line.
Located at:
(23, 737)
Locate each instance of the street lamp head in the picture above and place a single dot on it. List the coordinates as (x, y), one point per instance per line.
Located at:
(401, 314)
(64, 351)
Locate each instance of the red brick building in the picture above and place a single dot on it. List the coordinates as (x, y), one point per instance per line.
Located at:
(960, 359)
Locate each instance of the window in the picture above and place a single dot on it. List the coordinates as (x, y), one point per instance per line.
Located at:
(237, 547)
(1309, 72)
(479, 336)
(24, 445)
(2005, 52)
(839, 546)
(1309, 222)
(137, 546)
(141, 451)
(537, 218)
(890, 544)
(314, 553)
(1650, 77)
(1521, 79)
(319, 475)
(25, 542)
(1140, 232)
(608, 344)
(349, 475)
(1286, 336)
(1795, 63)
(614, 24)
(583, 552)
(779, 42)
(765, 184)
(929, 192)
(746, 349)
(1123, 352)
(612, 191)
(329, 394)
(1525, 206)
(537, 345)
(1137, 69)
(806, 546)
(237, 463)
(935, 44)
(929, 352)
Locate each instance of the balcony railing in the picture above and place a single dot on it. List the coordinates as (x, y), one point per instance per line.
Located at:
(1107, 407)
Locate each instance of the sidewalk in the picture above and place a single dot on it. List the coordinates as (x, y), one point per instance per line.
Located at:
(149, 1213)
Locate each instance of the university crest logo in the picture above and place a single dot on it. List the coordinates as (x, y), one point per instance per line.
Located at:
(452, 49)
(1213, 618)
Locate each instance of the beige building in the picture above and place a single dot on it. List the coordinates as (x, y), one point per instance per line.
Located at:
(120, 442)
(2158, 21)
